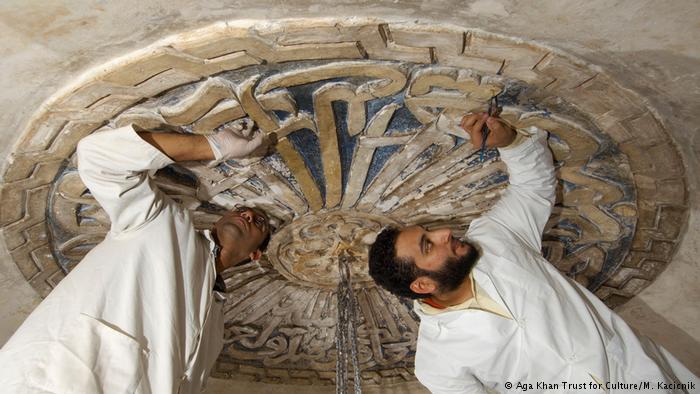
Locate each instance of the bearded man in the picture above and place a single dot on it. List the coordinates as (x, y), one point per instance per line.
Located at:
(495, 315)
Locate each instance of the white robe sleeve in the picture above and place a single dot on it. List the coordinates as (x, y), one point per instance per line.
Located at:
(438, 384)
(524, 208)
(117, 166)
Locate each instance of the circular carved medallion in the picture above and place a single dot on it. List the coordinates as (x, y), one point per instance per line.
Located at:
(364, 113)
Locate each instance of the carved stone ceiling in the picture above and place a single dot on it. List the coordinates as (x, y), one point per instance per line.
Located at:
(364, 113)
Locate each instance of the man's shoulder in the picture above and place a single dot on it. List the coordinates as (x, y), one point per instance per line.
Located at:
(173, 211)
(172, 222)
(464, 325)
(496, 238)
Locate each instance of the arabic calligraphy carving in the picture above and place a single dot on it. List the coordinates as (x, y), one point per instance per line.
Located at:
(364, 115)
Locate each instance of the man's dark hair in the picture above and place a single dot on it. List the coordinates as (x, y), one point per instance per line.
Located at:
(396, 274)
(389, 271)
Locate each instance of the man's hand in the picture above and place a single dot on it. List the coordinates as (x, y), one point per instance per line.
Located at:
(237, 141)
(240, 140)
(501, 134)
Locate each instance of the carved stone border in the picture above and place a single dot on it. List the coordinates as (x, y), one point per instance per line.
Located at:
(52, 134)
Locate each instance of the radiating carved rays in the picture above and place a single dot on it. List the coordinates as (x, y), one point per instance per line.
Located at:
(218, 101)
(385, 79)
(425, 180)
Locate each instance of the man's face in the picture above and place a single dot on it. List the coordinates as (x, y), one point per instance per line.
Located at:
(438, 253)
(240, 233)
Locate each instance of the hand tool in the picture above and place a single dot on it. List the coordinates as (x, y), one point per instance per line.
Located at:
(494, 110)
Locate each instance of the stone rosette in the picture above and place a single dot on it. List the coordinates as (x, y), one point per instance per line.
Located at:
(356, 107)
(307, 250)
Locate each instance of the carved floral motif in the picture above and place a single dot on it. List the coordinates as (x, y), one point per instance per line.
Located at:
(306, 250)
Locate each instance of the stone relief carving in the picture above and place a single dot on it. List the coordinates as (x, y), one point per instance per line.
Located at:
(305, 251)
(356, 109)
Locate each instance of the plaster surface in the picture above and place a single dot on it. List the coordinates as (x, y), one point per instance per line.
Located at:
(649, 47)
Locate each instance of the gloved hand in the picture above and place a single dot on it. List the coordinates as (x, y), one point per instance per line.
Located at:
(236, 141)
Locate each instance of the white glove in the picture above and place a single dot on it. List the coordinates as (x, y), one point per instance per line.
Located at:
(236, 141)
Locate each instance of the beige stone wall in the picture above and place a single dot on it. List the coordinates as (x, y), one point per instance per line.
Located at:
(649, 48)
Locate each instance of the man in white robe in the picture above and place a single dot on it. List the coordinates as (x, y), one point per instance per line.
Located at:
(495, 315)
(139, 314)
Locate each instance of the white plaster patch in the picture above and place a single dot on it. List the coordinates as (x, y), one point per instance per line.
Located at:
(488, 7)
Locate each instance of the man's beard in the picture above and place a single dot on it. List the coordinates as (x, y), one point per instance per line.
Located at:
(455, 271)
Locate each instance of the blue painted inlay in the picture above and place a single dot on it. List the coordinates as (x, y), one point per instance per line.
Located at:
(568, 225)
(554, 139)
(374, 106)
(303, 94)
(179, 174)
(282, 115)
(306, 143)
(475, 158)
(380, 157)
(488, 182)
(567, 186)
(80, 219)
(421, 160)
(403, 122)
(427, 153)
(276, 163)
(346, 143)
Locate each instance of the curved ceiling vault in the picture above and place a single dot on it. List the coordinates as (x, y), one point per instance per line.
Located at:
(355, 107)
